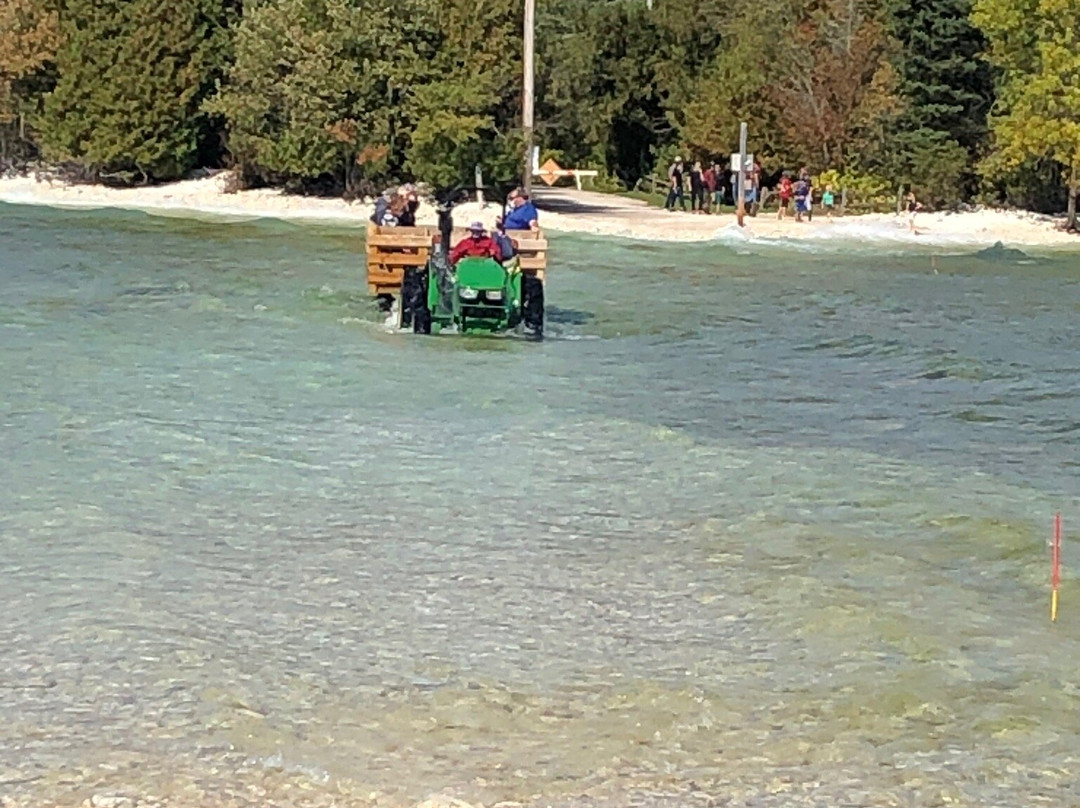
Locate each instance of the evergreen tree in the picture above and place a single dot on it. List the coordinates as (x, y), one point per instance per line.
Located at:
(944, 78)
(947, 89)
(468, 110)
(133, 78)
(320, 91)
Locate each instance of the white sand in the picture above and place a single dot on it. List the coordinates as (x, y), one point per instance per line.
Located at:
(562, 210)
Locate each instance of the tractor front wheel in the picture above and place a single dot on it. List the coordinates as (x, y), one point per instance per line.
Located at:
(532, 304)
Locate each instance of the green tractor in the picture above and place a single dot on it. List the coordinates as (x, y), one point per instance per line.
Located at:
(479, 295)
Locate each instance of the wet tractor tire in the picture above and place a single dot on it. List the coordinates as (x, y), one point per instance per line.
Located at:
(421, 314)
(532, 304)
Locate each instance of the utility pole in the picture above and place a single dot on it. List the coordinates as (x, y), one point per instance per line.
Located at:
(527, 94)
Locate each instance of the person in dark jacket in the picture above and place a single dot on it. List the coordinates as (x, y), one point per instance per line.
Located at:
(675, 185)
(412, 203)
(382, 207)
(697, 188)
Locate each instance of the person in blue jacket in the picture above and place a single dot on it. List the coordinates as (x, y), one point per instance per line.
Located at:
(523, 214)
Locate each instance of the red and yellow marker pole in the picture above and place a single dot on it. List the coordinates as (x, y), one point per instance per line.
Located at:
(1055, 570)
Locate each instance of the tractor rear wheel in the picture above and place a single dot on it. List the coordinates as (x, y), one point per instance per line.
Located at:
(421, 314)
(532, 304)
(409, 280)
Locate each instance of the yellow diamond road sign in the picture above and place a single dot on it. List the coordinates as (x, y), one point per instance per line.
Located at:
(549, 171)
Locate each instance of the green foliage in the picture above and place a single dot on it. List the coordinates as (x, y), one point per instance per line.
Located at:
(1034, 42)
(132, 81)
(602, 98)
(331, 94)
(351, 95)
(312, 94)
(28, 47)
(864, 191)
(932, 165)
(1033, 185)
(945, 89)
(944, 79)
(464, 114)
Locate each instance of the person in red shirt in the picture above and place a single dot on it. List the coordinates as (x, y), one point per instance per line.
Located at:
(786, 190)
(712, 184)
(478, 244)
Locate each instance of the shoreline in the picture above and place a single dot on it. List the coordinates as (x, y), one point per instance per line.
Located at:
(562, 211)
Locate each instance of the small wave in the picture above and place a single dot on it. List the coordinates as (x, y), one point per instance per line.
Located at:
(391, 322)
(844, 235)
(735, 234)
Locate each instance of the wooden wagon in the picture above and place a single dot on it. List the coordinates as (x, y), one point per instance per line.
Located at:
(391, 249)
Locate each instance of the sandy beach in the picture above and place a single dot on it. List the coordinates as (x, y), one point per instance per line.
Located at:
(563, 210)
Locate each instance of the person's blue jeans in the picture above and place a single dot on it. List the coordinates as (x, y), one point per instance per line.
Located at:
(675, 193)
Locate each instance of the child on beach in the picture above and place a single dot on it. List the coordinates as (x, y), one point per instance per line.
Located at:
(827, 201)
(913, 207)
(801, 191)
(785, 192)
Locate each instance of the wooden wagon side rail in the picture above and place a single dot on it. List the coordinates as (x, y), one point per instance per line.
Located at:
(391, 249)
(532, 251)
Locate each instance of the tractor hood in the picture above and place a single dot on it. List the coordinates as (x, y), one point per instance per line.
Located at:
(480, 274)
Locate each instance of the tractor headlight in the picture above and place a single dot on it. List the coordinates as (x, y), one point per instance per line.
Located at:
(493, 295)
(468, 294)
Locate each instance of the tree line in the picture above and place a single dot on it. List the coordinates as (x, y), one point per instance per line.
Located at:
(959, 100)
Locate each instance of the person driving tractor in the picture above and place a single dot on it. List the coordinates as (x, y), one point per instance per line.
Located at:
(478, 244)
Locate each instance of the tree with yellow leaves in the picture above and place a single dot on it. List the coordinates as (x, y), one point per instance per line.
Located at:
(31, 37)
(1036, 45)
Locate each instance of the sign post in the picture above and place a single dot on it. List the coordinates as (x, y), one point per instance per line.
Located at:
(527, 92)
(740, 203)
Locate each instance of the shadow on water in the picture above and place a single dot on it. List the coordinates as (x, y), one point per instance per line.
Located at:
(1001, 254)
(561, 316)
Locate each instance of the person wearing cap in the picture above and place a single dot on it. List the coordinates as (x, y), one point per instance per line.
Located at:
(478, 244)
(382, 206)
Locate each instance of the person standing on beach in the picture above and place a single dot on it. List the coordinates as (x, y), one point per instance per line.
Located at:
(913, 207)
(785, 192)
(754, 197)
(697, 188)
(709, 179)
(804, 201)
(717, 189)
(800, 190)
(828, 199)
(675, 181)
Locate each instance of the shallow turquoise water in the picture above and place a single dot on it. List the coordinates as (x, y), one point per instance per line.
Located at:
(757, 523)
